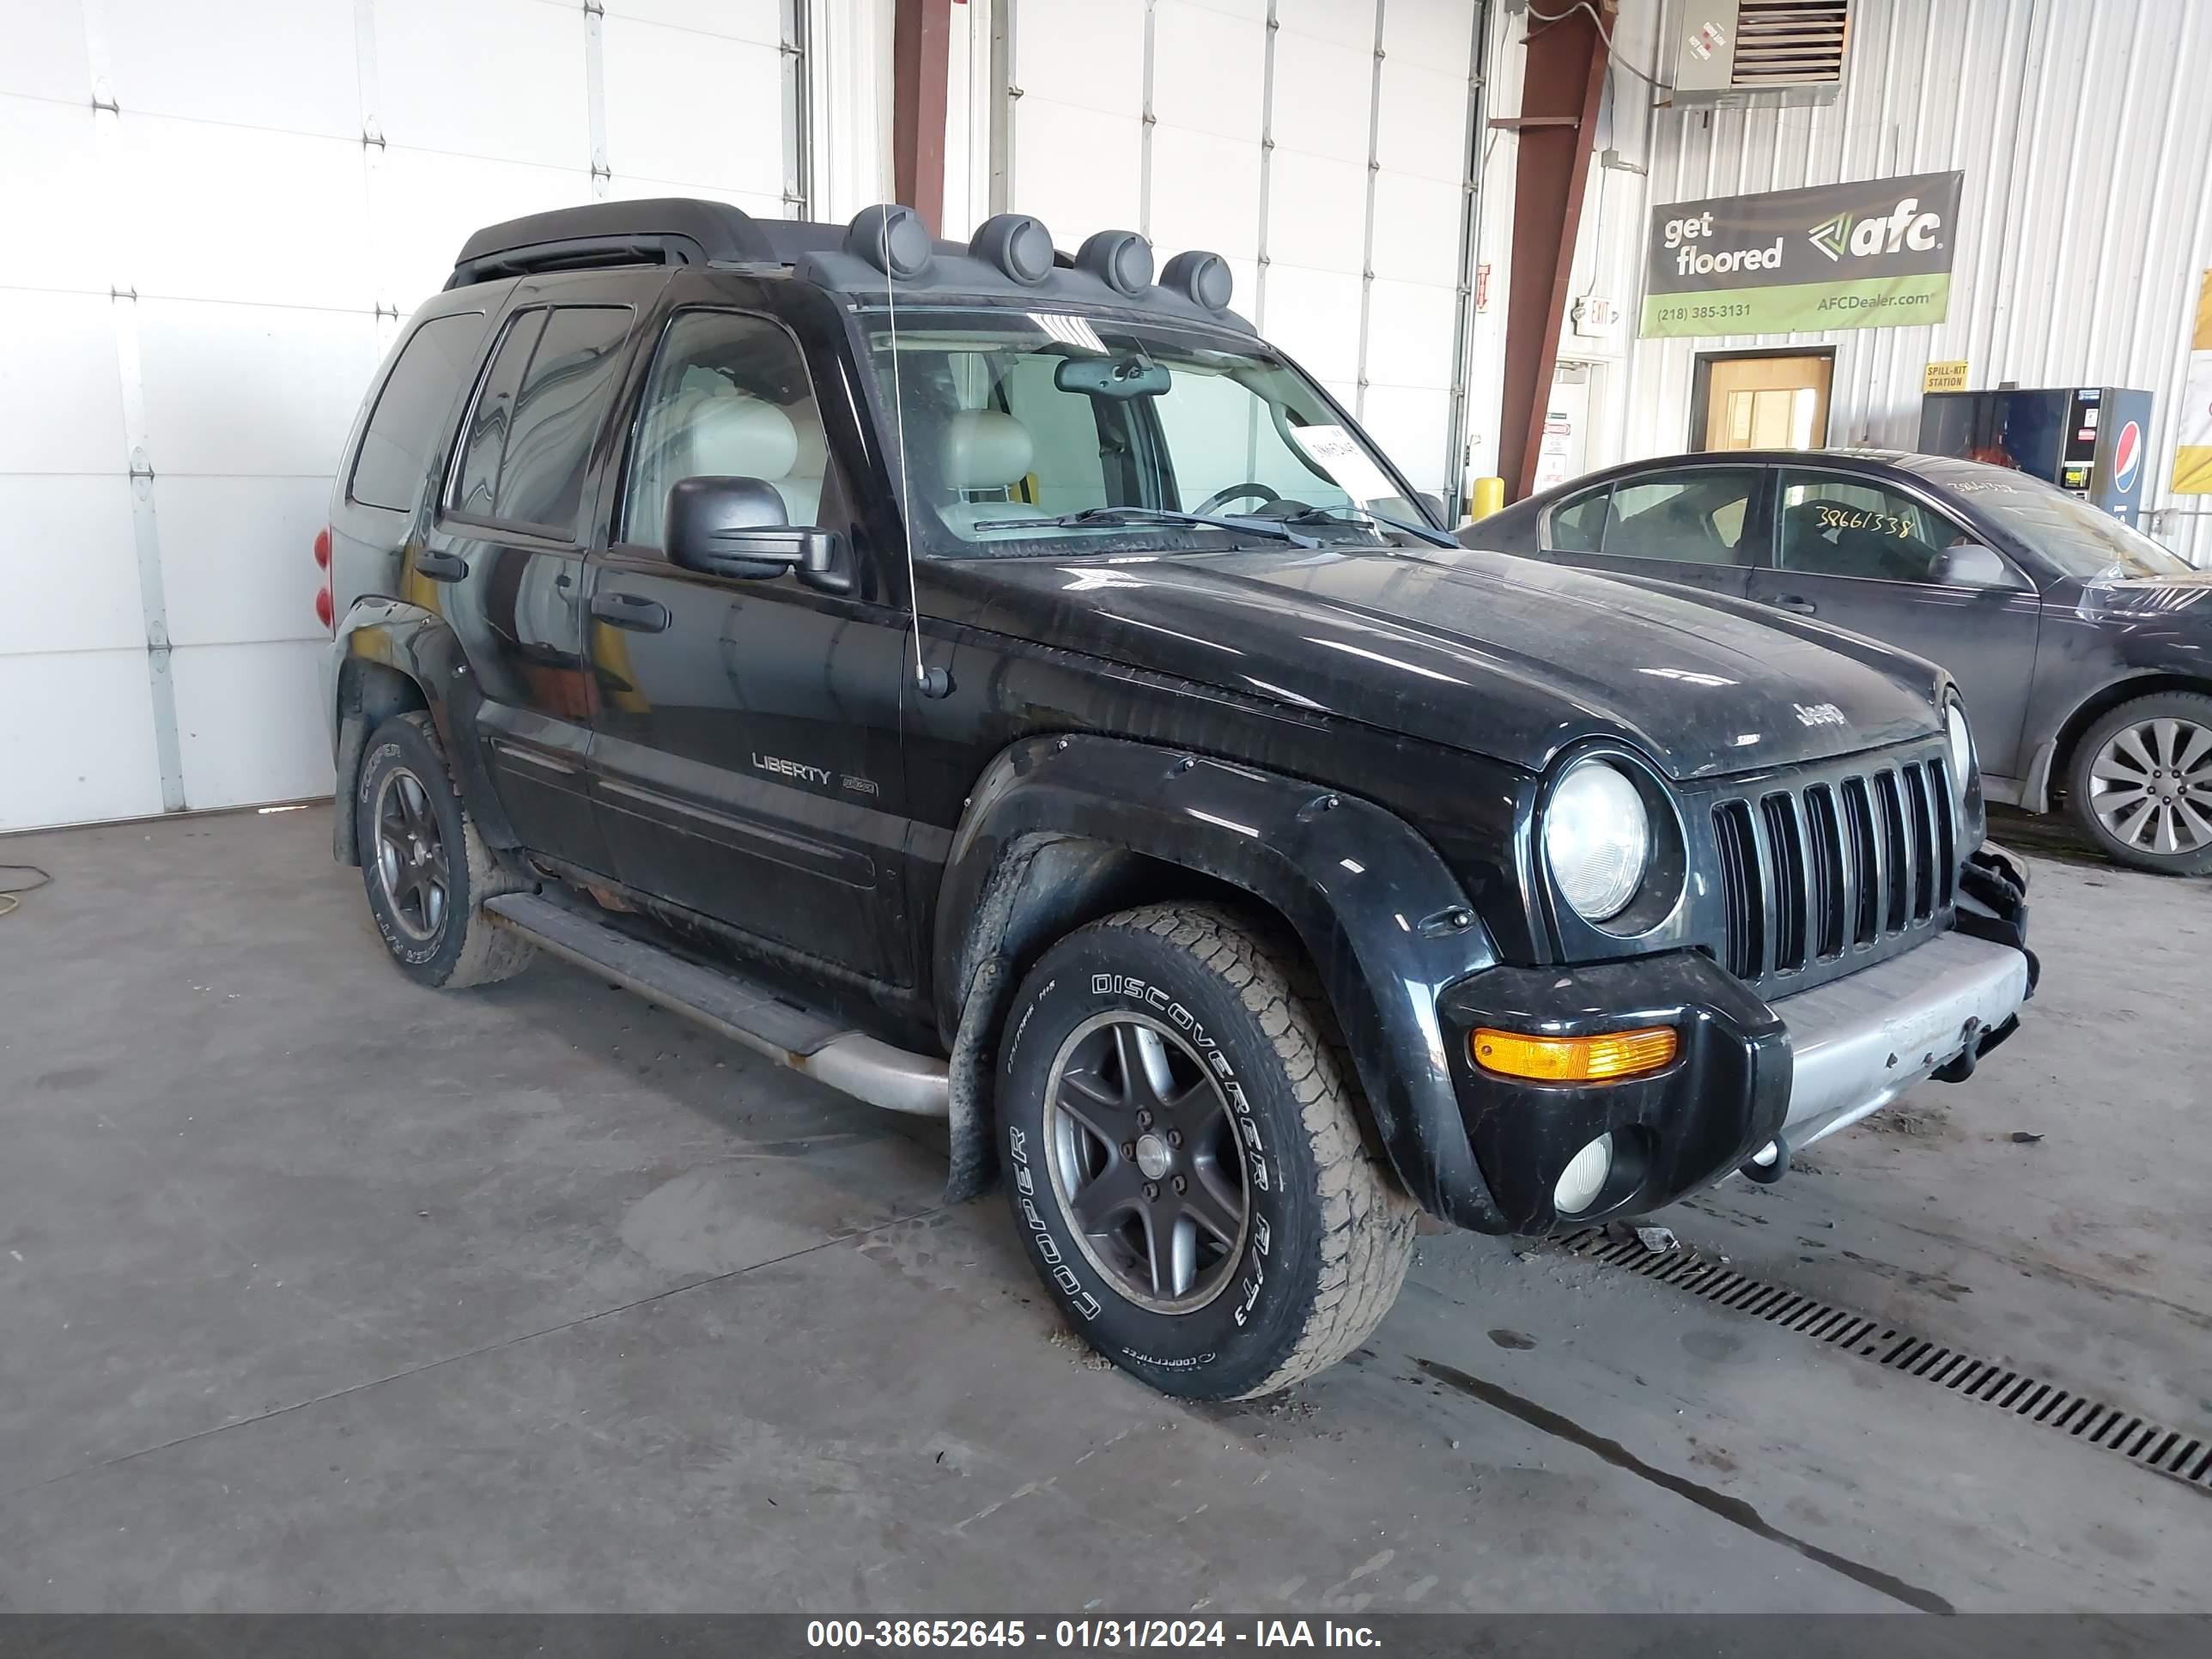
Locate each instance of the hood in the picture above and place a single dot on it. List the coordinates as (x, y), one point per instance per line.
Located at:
(2185, 601)
(1482, 652)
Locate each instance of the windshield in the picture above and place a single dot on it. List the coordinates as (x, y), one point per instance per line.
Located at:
(2082, 541)
(1011, 417)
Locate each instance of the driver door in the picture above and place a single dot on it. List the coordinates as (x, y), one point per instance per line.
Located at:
(1861, 554)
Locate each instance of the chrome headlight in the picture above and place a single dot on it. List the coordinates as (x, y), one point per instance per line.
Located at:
(1597, 839)
(1960, 739)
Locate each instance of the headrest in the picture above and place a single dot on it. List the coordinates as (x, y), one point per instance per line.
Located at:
(983, 449)
(734, 435)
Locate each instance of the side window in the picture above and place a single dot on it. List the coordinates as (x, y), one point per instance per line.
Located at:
(1695, 516)
(410, 415)
(1222, 432)
(728, 398)
(477, 478)
(1836, 526)
(558, 412)
(1578, 526)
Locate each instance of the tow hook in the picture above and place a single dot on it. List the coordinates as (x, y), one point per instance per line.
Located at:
(1961, 1066)
(1770, 1163)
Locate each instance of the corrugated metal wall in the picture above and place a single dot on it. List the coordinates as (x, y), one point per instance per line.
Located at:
(2084, 127)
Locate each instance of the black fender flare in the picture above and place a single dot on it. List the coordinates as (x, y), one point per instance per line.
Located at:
(1386, 924)
(419, 645)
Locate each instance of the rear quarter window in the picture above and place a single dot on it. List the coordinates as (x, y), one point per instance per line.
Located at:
(412, 411)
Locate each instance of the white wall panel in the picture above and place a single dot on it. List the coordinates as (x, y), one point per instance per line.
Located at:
(251, 390)
(213, 212)
(60, 195)
(274, 686)
(62, 343)
(270, 245)
(1080, 162)
(77, 728)
(67, 539)
(46, 51)
(1205, 194)
(433, 202)
(283, 63)
(235, 557)
(658, 81)
(433, 91)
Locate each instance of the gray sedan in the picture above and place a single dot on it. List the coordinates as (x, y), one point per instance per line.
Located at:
(2083, 648)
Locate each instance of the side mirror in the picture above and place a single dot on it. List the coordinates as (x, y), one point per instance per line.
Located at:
(1435, 503)
(736, 527)
(1969, 564)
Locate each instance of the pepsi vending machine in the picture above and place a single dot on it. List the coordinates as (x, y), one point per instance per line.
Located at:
(2088, 440)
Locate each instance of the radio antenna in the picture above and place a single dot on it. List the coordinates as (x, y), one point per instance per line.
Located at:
(930, 682)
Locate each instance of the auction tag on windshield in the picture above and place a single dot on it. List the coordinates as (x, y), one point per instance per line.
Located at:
(1337, 454)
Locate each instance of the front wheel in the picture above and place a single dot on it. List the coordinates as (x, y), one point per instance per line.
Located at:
(2141, 784)
(1184, 1159)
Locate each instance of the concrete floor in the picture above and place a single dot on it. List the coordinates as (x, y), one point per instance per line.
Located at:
(318, 1292)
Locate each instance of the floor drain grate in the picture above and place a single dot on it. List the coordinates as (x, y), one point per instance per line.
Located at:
(2183, 1457)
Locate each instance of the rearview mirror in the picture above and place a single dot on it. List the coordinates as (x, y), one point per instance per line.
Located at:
(736, 527)
(1969, 564)
(1101, 377)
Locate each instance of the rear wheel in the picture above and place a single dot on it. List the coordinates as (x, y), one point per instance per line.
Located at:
(2142, 783)
(427, 871)
(1185, 1160)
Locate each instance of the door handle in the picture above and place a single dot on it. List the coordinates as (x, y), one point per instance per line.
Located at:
(441, 567)
(631, 610)
(1797, 602)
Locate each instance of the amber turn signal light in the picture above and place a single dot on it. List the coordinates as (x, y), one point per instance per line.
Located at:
(1574, 1059)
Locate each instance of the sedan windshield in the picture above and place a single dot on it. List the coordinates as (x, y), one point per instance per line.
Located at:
(1035, 432)
(2082, 541)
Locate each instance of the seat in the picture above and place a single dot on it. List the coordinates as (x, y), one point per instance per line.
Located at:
(985, 450)
(701, 434)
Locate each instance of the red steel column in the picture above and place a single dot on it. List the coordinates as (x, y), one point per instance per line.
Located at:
(922, 31)
(1558, 124)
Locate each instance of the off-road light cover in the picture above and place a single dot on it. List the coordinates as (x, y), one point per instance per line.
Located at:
(1583, 1178)
(1597, 839)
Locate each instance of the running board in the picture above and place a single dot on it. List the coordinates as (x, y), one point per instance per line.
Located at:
(739, 1009)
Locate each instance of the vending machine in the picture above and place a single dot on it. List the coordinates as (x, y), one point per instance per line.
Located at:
(2088, 440)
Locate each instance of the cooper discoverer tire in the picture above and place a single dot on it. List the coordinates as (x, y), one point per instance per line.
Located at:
(2141, 776)
(427, 871)
(1184, 1159)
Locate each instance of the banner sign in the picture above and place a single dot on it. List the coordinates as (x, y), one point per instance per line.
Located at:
(2192, 455)
(1875, 254)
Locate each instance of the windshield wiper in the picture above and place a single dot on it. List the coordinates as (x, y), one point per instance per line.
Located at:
(1351, 514)
(1153, 515)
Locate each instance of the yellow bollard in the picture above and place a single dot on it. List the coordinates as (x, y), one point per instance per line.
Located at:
(1488, 497)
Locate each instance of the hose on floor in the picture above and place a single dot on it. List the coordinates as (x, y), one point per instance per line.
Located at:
(11, 893)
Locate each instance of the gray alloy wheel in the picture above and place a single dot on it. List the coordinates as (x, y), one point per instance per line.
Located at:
(412, 864)
(1144, 1158)
(2150, 785)
(2140, 783)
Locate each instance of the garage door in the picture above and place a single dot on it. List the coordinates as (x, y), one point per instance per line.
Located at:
(216, 219)
(1319, 145)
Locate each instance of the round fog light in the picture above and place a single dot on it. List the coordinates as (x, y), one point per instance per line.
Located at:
(1584, 1177)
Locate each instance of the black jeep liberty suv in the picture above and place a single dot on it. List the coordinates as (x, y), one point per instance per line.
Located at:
(1000, 686)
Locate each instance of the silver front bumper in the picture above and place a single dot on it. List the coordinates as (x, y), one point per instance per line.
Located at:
(1859, 1041)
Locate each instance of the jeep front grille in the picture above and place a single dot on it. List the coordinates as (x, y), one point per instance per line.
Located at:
(1815, 874)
